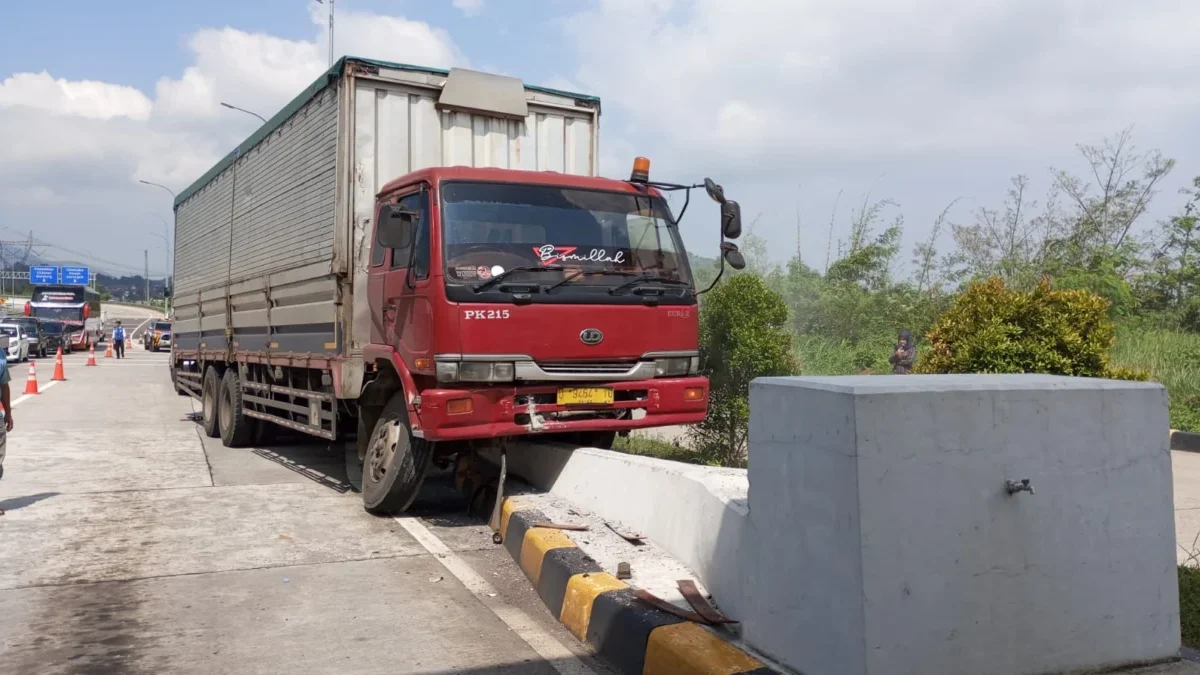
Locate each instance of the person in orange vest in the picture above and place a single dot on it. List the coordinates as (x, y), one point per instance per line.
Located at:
(6, 401)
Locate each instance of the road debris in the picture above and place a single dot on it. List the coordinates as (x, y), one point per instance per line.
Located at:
(628, 535)
(623, 571)
(692, 594)
(563, 526)
(658, 603)
(434, 580)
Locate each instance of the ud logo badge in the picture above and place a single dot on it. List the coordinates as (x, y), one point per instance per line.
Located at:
(591, 336)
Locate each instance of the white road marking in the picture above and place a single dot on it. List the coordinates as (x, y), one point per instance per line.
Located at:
(550, 649)
(140, 327)
(41, 388)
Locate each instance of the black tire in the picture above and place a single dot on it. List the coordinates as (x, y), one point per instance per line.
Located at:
(209, 392)
(237, 428)
(396, 461)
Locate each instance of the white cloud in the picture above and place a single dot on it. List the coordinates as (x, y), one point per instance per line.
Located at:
(93, 100)
(469, 7)
(100, 138)
(782, 92)
(877, 79)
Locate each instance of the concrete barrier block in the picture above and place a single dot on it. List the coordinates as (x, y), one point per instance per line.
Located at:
(888, 543)
(697, 514)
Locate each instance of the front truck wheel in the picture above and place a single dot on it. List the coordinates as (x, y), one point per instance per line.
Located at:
(210, 390)
(395, 463)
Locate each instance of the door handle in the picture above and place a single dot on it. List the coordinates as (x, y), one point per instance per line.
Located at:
(389, 308)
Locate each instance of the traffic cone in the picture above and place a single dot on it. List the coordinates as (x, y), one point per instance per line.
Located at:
(108, 350)
(59, 374)
(31, 382)
(91, 355)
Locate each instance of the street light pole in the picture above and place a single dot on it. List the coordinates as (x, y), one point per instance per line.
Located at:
(234, 107)
(330, 30)
(166, 237)
(166, 257)
(169, 190)
(167, 245)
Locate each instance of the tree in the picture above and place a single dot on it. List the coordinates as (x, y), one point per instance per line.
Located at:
(743, 335)
(1172, 283)
(1105, 212)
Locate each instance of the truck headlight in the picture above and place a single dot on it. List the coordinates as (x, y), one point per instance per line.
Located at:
(676, 367)
(475, 371)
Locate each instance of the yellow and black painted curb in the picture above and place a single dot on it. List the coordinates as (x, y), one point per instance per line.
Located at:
(601, 610)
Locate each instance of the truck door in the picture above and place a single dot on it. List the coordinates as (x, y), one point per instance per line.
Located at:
(406, 309)
(380, 257)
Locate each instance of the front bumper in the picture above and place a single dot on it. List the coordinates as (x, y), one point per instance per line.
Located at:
(500, 411)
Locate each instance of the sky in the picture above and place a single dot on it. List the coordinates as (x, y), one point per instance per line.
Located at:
(787, 103)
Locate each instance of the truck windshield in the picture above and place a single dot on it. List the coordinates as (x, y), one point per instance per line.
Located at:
(59, 313)
(488, 228)
(52, 328)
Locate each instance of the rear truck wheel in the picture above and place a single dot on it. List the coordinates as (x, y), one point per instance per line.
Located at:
(209, 391)
(237, 428)
(395, 463)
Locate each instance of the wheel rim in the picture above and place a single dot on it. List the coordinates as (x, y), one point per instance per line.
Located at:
(226, 417)
(209, 404)
(382, 451)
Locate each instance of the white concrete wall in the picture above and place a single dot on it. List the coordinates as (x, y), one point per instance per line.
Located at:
(886, 542)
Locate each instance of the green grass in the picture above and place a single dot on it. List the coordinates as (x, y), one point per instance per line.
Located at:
(1172, 358)
(1189, 605)
(651, 447)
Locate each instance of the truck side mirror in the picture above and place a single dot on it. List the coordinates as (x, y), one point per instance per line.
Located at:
(715, 192)
(733, 256)
(396, 226)
(731, 219)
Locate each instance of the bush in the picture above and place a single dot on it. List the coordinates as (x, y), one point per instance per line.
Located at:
(993, 329)
(743, 335)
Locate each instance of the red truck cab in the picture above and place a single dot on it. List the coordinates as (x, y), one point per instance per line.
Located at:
(507, 303)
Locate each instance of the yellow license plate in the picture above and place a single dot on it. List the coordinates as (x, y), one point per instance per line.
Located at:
(585, 396)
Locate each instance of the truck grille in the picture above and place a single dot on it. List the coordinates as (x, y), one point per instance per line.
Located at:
(591, 367)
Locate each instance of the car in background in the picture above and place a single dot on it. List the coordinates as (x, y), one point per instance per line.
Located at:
(33, 334)
(18, 346)
(71, 336)
(157, 336)
(54, 338)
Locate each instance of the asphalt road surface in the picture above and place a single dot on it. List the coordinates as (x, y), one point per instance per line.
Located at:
(134, 544)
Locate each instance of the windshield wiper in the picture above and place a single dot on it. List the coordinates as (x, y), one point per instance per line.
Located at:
(505, 274)
(590, 273)
(648, 277)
